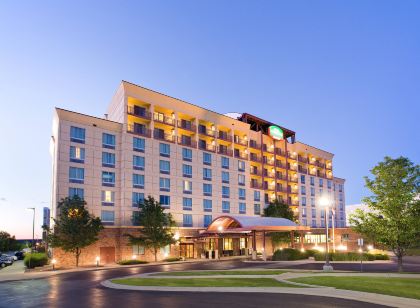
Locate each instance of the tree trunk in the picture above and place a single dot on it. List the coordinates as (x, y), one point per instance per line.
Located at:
(77, 257)
(400, 263)
(155, 252)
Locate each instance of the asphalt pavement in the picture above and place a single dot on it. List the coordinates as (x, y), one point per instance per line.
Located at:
(83, 289)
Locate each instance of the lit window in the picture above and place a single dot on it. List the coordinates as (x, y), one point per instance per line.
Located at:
(241, 165)
(241, 179)
(77, 154)
(187, 186)
(108, 197)
(138, 250)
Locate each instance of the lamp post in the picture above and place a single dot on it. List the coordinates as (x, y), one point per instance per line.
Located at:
(325, 202)
(33, 234)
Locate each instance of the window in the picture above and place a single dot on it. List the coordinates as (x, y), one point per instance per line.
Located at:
(187, 171)
(225, 192)
(207, 158)
(186, 154)
(187, 204)
(165, 201)
(164, 251)
(322, 213)
(257, 195)
(313, 223)
(340, 197)
(329, 184)
(207, 205)
(77, 134)
(302, 179)
(74, 191)
(139, 144)
(225, 206)
(225, 162)
(107, 217)
(164, 184)
(340, 187)
(108, 159)
(207, 174)
(137, 198)
(303, 190)
(77, 154)
(313, 213)
(312, 180)
(257, 209)
(138, 180)
(164, 150)
(303, 201)
(312, 191)
(341, 206)
(207, 189)
(138, 162)
(187, 220)
(164, 167)
(108, 197)
(76, 175)
(242, 208)
(241, 179)
(321, 182)
(138, 250)
(242, 193)
(241, 165)
(312, 202)
(207, 220)
(187, 187)
(108, 141)
(225, 177)
(304, 222)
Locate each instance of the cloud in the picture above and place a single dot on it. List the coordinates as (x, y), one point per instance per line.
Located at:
(3, 199)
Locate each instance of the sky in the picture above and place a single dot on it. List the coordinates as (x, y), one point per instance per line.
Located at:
(344, 75)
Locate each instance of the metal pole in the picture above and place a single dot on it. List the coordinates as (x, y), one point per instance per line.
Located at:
(33, 230)
(333, 224)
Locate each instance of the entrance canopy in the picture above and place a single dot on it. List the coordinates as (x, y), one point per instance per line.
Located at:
(245, 224)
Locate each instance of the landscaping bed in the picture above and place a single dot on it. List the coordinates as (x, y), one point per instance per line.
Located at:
(227, 272)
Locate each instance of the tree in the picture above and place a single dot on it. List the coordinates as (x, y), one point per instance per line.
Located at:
(156, 226)
(280, 209)
(7, 242)
(393, 219)
(74, 228)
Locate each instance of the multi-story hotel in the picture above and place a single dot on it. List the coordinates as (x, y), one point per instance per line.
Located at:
(199, 164)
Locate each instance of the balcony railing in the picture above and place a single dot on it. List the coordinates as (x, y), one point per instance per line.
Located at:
(269, 162)
(187, 142)
(206, 132)
(290, 155)
(269, 149)
(302, 159)
(241, 155)
(280, 164)
(187, 125)
(164, 119)
(255, 171)
(225, 137)
(280, 176)
(240, 141)
(256, 185)
(270, 175)
(255, 145)
(224, 151)
(302, 170)
(280, 152)
(293, 180)
(282, 189)
(255, 158)
(322, 165)
(141, 132)
(207, 147)
(329, 166)
(165, 136)
(139, 113)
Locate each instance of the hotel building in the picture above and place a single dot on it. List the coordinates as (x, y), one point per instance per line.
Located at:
(199, 164)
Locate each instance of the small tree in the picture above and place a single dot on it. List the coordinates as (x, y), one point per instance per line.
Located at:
(156, 226)
(74, 228)
(280, 209)
(7, 242)
(393, 219)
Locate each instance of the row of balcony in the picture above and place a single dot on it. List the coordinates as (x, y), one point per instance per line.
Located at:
(272, 187)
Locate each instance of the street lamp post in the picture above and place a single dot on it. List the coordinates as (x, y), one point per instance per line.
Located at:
(324, 202)
(33, 234)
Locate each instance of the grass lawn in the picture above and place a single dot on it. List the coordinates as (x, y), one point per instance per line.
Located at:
(210, 273)
(402, 287)
(203, 282)
(413, 252)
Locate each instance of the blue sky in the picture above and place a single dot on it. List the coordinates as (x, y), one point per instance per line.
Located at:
(344, 75)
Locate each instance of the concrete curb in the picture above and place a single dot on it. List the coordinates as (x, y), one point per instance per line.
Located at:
(374, 298)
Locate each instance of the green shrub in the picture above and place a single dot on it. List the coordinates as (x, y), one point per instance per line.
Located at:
(350, 256)
(289, 254)
(172, 259)
(132, 262)
(310, 252)
(36, 259)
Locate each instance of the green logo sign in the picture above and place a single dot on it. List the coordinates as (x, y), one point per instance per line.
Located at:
(275, 132)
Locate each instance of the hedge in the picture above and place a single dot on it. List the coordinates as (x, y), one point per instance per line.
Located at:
(351, 256)
(173, 259)
(289, 254)
(132, 262)
(36, 259)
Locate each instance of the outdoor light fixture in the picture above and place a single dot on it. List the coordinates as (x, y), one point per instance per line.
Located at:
(325, 203)
(97, 261)
(165, 254)
(370, 247)
(133, 257)
(220, 228)
(176, 236)
(342, 247)
(302, 249)
(53, 262)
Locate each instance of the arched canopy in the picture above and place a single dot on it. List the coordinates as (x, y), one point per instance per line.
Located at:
(230, 223)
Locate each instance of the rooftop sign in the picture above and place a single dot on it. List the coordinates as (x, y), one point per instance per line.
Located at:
(275, 132)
